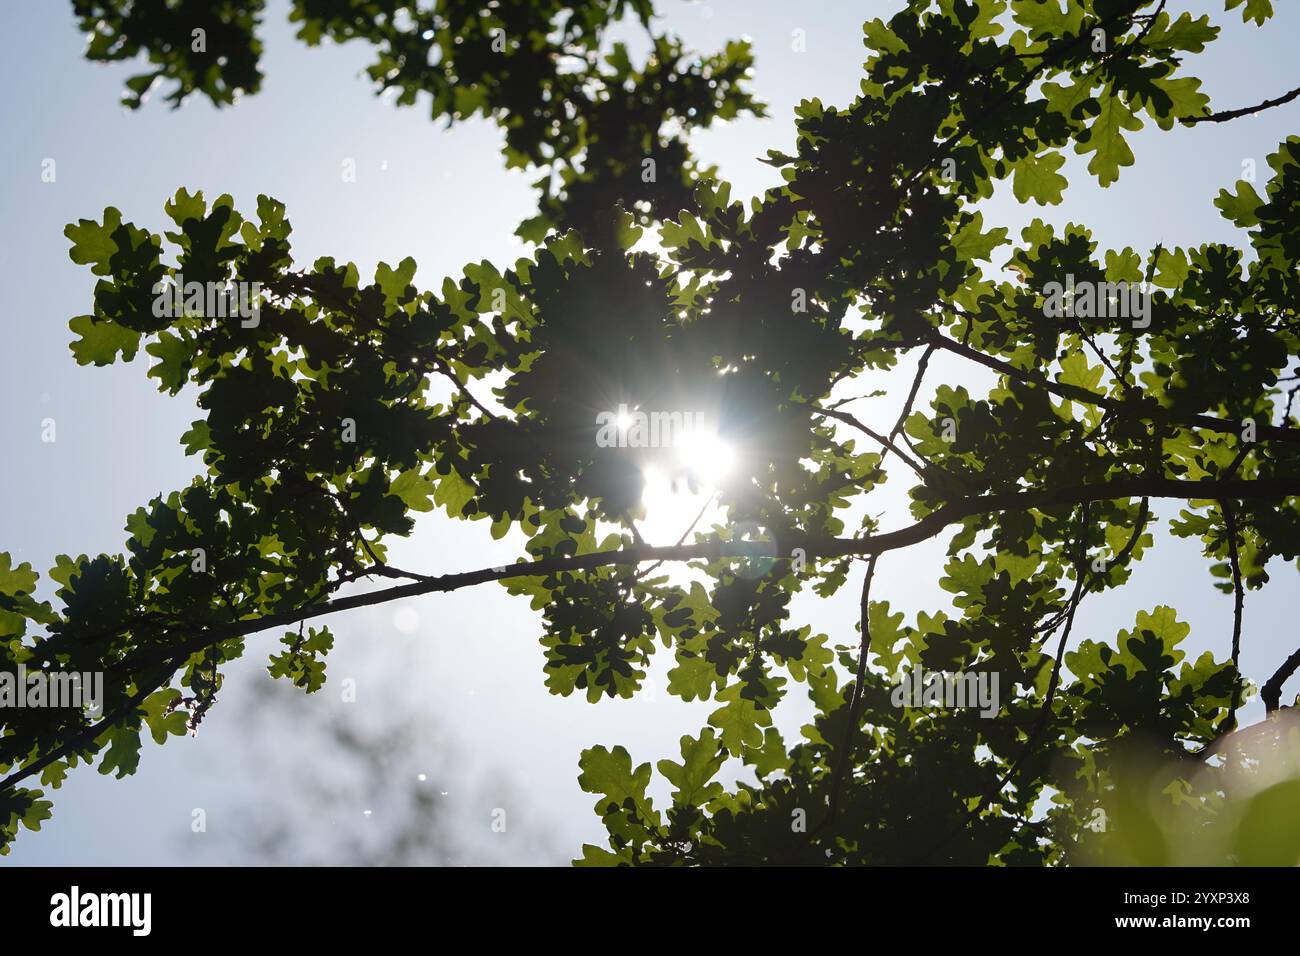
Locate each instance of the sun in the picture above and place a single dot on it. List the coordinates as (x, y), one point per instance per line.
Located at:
(705, 456)
(681, 489)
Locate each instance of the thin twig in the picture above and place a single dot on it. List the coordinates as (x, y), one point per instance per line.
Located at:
(921, 366)
(1244, 111)
(1238, 601)
(845, 751)
(882, 440)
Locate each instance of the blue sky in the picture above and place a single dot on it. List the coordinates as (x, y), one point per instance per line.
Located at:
(464, 670)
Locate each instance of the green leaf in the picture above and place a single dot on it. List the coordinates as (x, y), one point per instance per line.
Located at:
(414, 490)
(100, 341)
(392, 281)
(173, 354)
(693, 678)
(1105, 139)
(123, 754)
(1068, 99)
(1046, 18)
(1242, 207)
(771, 757)
(971, 243)
(1184, 33)
(184, 207)
(1162, 622)
(626, 231)
(534, 230)
(701, 760)
(1076, 371)
(885, 630)
(1037, 178)
(594, 856)
(1257, 10)
(453, 492)
(676, 236)
(1172, 269)
(92, 243)
(1185, 97)
(16, 580)
(610, 773)
(740, 720)
(37, 813)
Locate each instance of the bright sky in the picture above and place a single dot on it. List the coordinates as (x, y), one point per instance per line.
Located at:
(462, 673)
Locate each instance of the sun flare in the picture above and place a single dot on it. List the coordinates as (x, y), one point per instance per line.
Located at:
(682, 492)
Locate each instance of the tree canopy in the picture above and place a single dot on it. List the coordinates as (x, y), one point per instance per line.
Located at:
(322, 433)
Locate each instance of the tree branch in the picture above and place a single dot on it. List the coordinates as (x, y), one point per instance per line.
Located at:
(825, 547)
(441, 365)
(818, 546)
(921, 366)
(1079, 394)
(1244, 111)
(1229, 722)
(875, 436)
(1271, 692)
(844, 756)
(89, 733)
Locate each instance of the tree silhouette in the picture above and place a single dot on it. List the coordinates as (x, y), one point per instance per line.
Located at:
(1118, 377)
